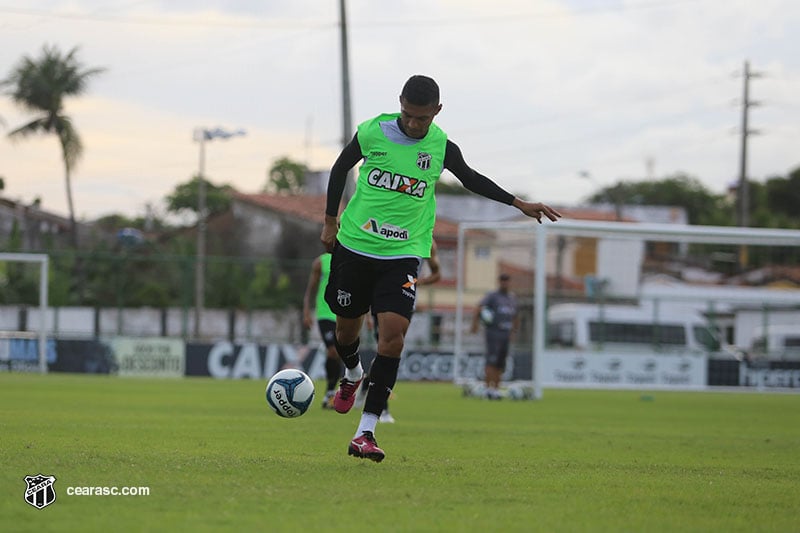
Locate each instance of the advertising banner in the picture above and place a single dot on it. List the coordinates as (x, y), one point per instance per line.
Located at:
(224, 359)
(157, 356)
(419, 365)
(149, 356)
(22, 354)
(772, 374)
(630, 370)
(90, 356)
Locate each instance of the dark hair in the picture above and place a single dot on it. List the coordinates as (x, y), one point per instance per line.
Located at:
(421, 90)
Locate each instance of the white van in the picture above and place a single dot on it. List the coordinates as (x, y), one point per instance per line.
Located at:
(775, 343)
(629, 328)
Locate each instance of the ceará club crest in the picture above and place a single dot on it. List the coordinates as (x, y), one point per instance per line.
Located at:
(423, 160)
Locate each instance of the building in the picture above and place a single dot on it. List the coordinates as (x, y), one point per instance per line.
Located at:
(33, 229)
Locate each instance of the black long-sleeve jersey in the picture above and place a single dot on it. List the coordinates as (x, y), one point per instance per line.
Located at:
(453, 161)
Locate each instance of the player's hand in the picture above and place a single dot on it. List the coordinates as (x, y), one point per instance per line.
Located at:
(536, 210)
(329, 231)
(429, 280)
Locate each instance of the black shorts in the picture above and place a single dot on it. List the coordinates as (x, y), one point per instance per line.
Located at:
(497, 345)
(357, 283)
(327, 330)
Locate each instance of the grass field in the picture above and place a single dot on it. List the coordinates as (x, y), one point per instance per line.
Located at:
(216, 459)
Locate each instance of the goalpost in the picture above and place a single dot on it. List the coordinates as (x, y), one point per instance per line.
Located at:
(619, 250)
(41, 334)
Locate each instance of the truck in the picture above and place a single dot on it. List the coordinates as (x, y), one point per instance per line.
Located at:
(630, 328)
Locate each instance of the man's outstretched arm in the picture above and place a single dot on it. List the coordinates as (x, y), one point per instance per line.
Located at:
(479, 184)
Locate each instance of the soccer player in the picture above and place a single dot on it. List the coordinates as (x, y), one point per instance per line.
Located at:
(498, 312)
(384, 233)
(314, 298)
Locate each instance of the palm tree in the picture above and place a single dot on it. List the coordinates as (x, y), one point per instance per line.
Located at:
(41, 85)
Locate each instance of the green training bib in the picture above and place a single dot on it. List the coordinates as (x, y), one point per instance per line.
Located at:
(323, 310)
(393, 210)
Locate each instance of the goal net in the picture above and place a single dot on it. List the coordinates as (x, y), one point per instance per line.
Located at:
(630, 305)
(24, 346)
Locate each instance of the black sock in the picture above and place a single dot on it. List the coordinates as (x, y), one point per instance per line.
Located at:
(348, 353)
(333, 371)
(382, 377)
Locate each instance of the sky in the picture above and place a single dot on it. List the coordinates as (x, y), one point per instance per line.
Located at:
(550, 98)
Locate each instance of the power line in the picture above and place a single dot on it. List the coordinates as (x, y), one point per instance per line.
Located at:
(528, 15)
(285, 24)
(282, 24)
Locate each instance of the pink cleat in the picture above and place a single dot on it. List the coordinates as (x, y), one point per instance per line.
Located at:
(346, 395)
(365, 447)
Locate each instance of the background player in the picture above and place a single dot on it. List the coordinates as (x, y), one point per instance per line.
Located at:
(497, 312)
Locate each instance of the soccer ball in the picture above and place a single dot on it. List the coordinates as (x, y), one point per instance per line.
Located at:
(290, 393)
(487, 315)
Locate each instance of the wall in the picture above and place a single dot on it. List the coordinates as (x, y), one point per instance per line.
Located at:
(86, 322)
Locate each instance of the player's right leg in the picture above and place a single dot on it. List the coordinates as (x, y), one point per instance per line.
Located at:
(366, 447)
(361, 395)
(393, 304)
(345, 396)
(493, 363)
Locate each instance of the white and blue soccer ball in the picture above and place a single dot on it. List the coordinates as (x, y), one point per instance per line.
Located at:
(516, 392)
(487, 315)
(290, 393)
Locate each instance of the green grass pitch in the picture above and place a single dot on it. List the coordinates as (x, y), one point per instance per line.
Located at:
(215, 458)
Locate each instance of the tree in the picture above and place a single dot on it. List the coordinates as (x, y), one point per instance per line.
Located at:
(773, 203)
(783, 194)
(701, 205)
(116, 221)
(286, 176)
(17, 284)
(185, 197)
(41, 85)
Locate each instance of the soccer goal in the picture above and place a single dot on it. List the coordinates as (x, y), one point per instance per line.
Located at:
(10, 337)
(632, 305)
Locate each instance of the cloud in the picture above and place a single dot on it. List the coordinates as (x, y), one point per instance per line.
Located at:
(136, 155)
(532, 92)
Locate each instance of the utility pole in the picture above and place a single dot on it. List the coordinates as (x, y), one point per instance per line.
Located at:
(743, 189)
(202, 220)
(347, 126)
(201, 135)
